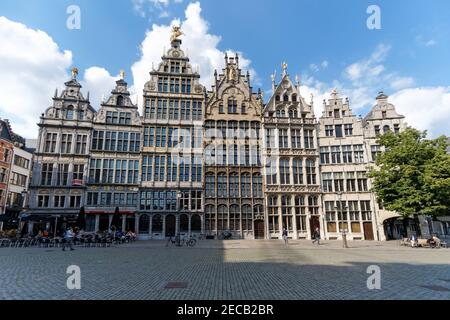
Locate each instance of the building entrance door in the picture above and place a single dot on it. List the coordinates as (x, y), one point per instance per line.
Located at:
(170, 225)
(259, 229)
(368, 231)
(314, 223)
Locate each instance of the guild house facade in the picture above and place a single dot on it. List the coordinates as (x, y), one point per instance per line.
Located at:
(205, 161)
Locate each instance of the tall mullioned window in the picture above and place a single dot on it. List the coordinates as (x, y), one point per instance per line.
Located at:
(309, 139)
(311, 172)
(50, 142)
(284, 171)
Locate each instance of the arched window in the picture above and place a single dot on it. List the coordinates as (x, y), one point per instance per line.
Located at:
(286, 212)
(184, 223)
(69, 113)
(144, 223)
(245, 186)
(119, 101)
(222, 186)
(284, 171)
(222, 218)
(300, 213)
(257, 186)
(210, 218)
(247, 219)
(310, 171)
(286, 98)
(210, 184)
(386, 128)
(196, 223)
(243, 108)
(294, 98)
(281, 113)
(234, 186)
(235, 218)
(157, 223)
(277, 98)
(313, 205)
(293, 113)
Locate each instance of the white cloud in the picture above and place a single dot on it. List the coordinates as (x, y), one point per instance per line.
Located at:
(421, 40)
(198, 44)
(425, 108)
(32, 66)
(399, 83)
(99, 83)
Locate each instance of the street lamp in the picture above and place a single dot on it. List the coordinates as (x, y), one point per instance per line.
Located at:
(340, 214)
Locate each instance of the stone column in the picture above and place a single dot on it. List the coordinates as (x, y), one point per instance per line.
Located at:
(124, 221)
(189, 227)
(136, 223)
(164, 226)
(97, 222)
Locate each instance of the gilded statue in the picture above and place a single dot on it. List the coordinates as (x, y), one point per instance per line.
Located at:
(74, 73)
(176, 33)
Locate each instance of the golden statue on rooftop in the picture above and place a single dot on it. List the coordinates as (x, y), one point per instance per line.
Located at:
(74, 72)
(176, 33)
(122, 74)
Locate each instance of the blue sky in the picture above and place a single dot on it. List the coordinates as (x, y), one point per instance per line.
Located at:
(327, 42)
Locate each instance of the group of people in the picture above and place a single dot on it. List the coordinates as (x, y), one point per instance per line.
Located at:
(315, 236)
(433, 241)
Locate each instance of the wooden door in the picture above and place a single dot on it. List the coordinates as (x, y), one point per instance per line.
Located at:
(259, 229)
(368, 231)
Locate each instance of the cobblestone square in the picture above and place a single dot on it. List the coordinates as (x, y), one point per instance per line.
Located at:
(228, 270)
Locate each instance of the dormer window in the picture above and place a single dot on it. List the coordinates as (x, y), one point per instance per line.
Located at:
(243, 108)
(293, 113)
(386, 129)
(69, 113)
(81, 114)
(119, 101)
(383, 114)
(277, 98)
(286, 98)
(232, 106)
(336, 114)
(294, 98)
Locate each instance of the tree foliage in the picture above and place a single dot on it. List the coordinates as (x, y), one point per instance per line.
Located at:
(412, 176)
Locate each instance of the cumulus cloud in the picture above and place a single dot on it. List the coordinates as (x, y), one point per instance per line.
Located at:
(425, 108)
(198, 44)
(100, 83)
(32, 66)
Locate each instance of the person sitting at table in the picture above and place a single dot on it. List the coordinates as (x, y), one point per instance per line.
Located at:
(45, 234)
(431, 242)
(414, 241)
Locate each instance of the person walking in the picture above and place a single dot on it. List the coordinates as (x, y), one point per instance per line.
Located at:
(68, 237)
(316, 236)
(285, 236)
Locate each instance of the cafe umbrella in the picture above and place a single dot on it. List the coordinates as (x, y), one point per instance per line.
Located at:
(81, 219)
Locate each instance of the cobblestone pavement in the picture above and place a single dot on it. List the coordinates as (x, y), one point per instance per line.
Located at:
(228, 270)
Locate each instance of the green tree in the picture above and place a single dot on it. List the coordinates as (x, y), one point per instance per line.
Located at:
(412, 175)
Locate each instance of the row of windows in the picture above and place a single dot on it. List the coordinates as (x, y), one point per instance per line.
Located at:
(284, 173)
(348, 182)
(114, 171)
(233, 218)
(174, 85)
(162, 137)
(112, 199)
(157, 223)
(233, 186)
(232, 129)
(61, 174)
(116, 141)
(344, 211)
(69, 113)
(159, 200)
(336, 130)
(233, 107)
(342, 154)
(244, 155)
(21, 162)
(114, 117)
(59, 202)
(173, 109)
(171, 168)
(292, 113)
(19, 179)
(282, 210)
(289, 139)
(68, 144)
